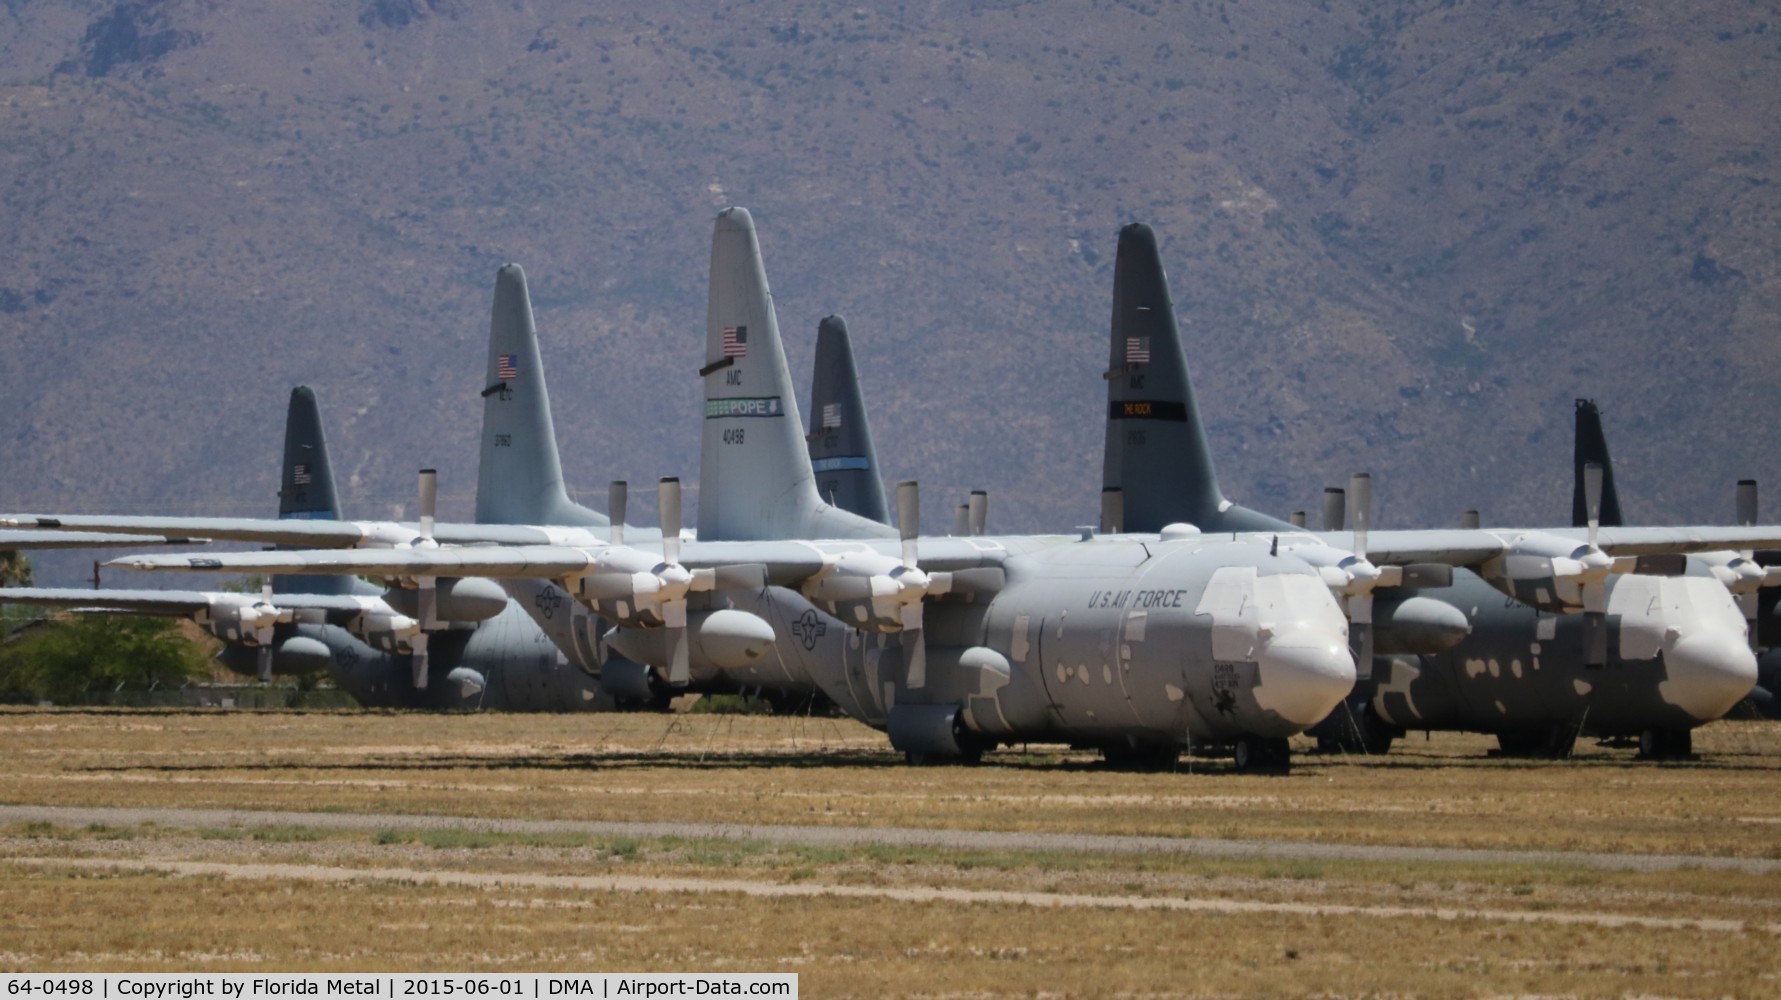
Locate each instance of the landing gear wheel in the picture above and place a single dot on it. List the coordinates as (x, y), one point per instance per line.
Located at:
(1259, 755)
(1551, 742)
(1354, 728)
(1144, 757)
(1666, 744)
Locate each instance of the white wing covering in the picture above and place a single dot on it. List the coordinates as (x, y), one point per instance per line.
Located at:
(314, 534)
(173, 603)
(17, 540)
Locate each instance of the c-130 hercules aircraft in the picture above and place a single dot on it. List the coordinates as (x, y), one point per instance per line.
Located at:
(1489, 646)
(484, 652)
(1137, 644)
(938, 641)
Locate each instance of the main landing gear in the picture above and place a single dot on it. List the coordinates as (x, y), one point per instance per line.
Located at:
(1261, 755)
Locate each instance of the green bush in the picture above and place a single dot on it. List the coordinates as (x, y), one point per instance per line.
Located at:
(62, 659)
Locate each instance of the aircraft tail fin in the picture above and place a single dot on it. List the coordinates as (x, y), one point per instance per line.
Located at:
(1591, 445)
(520, 475)
(306, 486)
(841, 450)
(1157, 453)
(755, 481)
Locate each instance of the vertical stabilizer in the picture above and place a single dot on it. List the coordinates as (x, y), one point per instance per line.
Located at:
(755, 480)
(306, 486)
(1591, 445)
(520, 478)
(1157, 452)
(841, 451)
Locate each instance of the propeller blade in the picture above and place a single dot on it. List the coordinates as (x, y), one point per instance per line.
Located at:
(1334, 503)
(1748, 602)
(265, 664)
(1112, 510)
(1297, 519)
(1746, 502)
(670, 501)
(429, 502)
(908, 518)
(979, 512)
(961, 520)
(1592, 498)
(1470, 519)
(418, 658)
(1360, 634)
(915, 654)
(1595, 614)
(679, 657)
(616, 495)
(1360, 486)
(1595, 639)
(426, 599)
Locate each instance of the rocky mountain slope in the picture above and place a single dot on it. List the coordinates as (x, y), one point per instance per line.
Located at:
(1402, 236)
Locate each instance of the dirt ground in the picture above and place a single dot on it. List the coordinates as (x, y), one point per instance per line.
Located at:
(170, 840)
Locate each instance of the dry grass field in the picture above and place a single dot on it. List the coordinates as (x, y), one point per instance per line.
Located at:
(380, 875)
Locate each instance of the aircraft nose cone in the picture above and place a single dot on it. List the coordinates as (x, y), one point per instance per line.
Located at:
(1303, 675)
(1708, 673)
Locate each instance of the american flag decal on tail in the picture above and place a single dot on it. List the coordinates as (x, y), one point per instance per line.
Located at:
(831, 415)
(735, 341)
(1137, 350)
(300, 475)
(506, 367)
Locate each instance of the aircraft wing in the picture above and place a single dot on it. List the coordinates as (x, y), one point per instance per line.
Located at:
(15, 540)
(295, 532)
(786, 562)
(314, 534)
(493, 561)
(174, 603)
(1451, 546)
(1472, 546)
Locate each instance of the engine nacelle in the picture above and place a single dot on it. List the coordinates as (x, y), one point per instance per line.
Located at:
(867, 590)
(1417, 625)
(386, 631)
(632, 594)
(471, 599)
(295, 656)
(724, 639)
(1547, 572)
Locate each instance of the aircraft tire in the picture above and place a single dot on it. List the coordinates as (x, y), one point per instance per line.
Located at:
(1258, 755)
(1146, 757)
(1666, 744)
(1550, 742)
(1355, 728)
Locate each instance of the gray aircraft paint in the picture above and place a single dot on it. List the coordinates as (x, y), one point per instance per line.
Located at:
(842, 454)
(1519, 670)
(519, 471)
(1590, 445)
(752, 450)
(519, 446)
(1152, 421)
(1142, 700)
(306, 490)
(502, 663)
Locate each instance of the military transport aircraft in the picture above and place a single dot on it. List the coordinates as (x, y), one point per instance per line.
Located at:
(1754, 578)
(1136, 643)
(1453, 653)
(485, 653)
(1020, 641)
(840, 440)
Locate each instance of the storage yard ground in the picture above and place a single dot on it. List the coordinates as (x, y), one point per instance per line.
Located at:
(172, 840)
